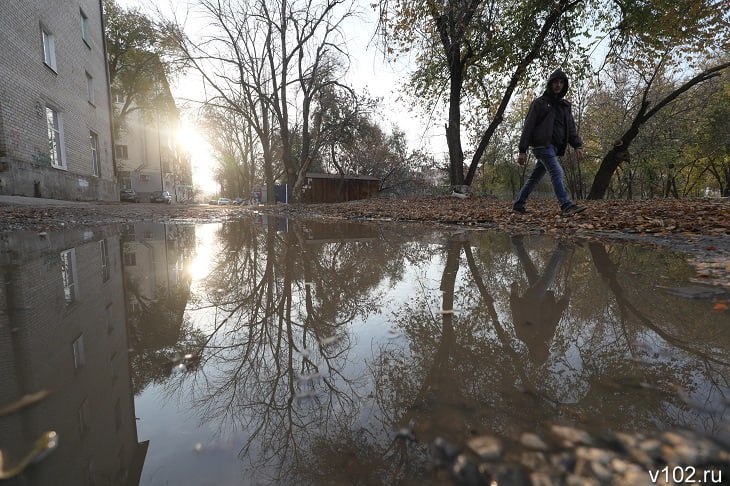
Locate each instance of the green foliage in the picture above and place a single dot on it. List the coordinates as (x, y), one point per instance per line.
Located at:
(138, 69)
(688, 29)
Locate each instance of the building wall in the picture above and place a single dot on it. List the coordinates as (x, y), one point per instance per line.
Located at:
(327, 188)
(151, 160)
(28, 85)
(91, 404)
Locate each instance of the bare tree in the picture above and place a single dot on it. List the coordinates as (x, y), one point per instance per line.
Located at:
(268, 61)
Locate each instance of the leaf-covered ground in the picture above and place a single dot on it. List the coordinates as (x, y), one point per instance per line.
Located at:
(688, 217)
(698, 227)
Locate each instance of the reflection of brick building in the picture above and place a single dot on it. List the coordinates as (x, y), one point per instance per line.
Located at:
(62, 329)
(55, 121)
(156, 286)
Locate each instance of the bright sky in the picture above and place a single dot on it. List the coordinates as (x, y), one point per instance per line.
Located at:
(368, 70)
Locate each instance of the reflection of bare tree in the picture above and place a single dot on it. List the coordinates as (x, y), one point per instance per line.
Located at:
(607, 270)
(274, 359)
(462, 375)
(278, 349)
(682, 381)
(156, 299)
(472, 358)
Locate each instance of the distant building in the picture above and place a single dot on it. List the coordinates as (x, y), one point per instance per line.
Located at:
(329, 188)
(55, 120)
(148, 155)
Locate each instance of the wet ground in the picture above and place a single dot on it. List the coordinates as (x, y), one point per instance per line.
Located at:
(700, 228)
(230, 346)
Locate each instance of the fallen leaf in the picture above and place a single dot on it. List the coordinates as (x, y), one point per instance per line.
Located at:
(720, 307)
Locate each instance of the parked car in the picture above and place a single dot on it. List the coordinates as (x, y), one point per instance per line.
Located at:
(224, 201)
(128, 195)
(161, 197)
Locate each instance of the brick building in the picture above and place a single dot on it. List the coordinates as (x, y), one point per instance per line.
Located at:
(148, 155)
(63, 330)
(55, 120)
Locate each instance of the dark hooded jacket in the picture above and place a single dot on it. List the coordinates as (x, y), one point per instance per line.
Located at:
(546, 117)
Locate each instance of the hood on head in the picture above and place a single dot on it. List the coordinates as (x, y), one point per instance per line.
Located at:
(558, 74)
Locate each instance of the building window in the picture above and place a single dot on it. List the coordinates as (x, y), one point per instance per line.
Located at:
(84, 416)
(104, 251)
(109, 319)
(55, 138)
(113, 366)
(68, 273)
(79, 355)
(90, 88)
(130, 259)
(121, 152)
(49, 48)
(118, 414)
(144, 178)
(95, 161)
(85, 28)
(117, 96)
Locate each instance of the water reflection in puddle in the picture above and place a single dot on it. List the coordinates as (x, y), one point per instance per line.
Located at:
(300, 351)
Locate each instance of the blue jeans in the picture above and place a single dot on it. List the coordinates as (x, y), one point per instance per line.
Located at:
(547, 161)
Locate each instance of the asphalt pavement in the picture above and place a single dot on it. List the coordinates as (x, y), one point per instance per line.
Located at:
(40, 201)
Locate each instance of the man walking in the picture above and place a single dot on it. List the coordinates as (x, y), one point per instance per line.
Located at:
(549, 128)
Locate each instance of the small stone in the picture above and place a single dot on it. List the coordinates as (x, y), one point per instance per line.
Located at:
(532, 441)
(486, 447)
(681, 454)
(651, 447)
(600, 471)
(635, 477)
(571, 436)
(542, 479)
(575, 480)
(533, 460)
(627, 441)
(593, 454)
(619, 466)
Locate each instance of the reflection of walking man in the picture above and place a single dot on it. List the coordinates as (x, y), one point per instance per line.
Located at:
(536, 314)
(549, 128)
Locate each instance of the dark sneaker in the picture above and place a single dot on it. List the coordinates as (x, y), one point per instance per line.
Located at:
(573, 209)
(518, 209)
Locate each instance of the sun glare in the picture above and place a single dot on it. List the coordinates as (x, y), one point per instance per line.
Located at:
(192, 140)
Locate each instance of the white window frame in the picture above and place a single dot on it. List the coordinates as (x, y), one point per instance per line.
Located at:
(95, 158)
(48, 42)
(117, 96)
(79, 352)
(56, 149)
(85, 33)
(130, 259)
(90, 88)
(69, 276)
(121, 151)
(84, 417)
(104, 252)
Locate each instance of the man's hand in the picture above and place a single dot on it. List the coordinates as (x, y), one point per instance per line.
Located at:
(578, 153)
(522, 158)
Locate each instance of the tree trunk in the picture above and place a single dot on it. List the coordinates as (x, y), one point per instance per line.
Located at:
(453, 128)
(619, 152)
(609, 164)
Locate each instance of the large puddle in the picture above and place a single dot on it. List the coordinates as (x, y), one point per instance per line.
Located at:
(300, 352)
